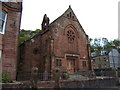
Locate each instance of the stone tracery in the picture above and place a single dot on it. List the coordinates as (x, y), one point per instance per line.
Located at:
(70, 35)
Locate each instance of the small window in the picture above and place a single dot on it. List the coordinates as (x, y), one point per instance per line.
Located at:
(67, 15)
(70, 14)
(84, 64)
(104, 58)
(73, 17)
(93, 60)
(58, 62)
(3, 16)
(35, 51)
(99, 59)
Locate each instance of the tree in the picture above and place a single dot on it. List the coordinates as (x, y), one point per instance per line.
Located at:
(23, 38)
(103, 44)
(108, 45)
(97, 44)
(34, 32)
(116, 42)
(25, 34)
(90, 40)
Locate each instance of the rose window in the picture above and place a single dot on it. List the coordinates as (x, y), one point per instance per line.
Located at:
(70, 35)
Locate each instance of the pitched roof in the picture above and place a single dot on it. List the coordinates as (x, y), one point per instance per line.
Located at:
(69, 13)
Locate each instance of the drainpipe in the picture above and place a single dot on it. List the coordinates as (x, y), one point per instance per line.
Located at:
(89, 58)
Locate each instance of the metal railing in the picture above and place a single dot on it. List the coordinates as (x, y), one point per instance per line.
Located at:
(47, 76)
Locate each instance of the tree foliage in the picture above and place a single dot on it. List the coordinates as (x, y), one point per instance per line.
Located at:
(25, 34)
(5, 77)
(103, 44)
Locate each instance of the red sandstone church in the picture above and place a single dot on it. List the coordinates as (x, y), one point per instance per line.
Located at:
(61, 44)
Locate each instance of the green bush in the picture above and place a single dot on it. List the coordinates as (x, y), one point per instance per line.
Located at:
(5, 77)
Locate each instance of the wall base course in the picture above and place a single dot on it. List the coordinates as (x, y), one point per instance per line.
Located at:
(95, 83)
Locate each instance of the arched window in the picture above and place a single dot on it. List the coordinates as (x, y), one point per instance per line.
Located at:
(70, 35)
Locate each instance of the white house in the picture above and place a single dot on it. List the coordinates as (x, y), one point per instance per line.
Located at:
(114, 58)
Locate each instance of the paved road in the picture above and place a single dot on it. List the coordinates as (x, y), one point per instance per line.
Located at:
(112, 88)
(108, 88)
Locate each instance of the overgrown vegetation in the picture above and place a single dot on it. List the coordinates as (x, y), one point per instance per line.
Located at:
(103, 44)
(25, 34)
(5, 77)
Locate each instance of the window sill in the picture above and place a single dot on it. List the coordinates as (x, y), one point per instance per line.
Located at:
(1, 33)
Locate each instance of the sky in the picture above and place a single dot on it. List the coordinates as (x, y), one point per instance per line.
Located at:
(99, 18)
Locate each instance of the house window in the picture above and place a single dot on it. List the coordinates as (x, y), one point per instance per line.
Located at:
(93, 60)
(58, 62)
(104, 58)
(84, 64)
(94, 66)
(3, 16)
(99, 60)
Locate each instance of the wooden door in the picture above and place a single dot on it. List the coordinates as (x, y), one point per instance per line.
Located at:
(71, 66)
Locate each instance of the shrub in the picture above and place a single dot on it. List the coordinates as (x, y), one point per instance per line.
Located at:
(5, 77)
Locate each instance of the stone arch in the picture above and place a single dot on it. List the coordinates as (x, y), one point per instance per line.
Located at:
(73, 28)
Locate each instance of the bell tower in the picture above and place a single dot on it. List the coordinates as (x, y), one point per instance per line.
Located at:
(45, 22)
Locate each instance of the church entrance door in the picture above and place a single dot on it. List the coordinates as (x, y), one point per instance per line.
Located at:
(70, 65)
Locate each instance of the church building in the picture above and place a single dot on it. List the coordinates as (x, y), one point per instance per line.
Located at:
(61, 44)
